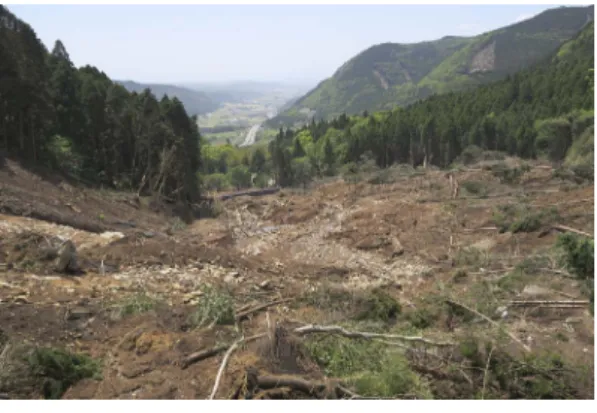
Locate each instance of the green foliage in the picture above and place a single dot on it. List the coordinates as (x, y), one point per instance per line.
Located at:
(240, 177)
(522, 218)
(554, 137)
(378, 306)
(215, 307)
(302, 171)
(215, 182)
(59, 369)
(136, 304)
(366, 365)
(394, 379)
(580, 259)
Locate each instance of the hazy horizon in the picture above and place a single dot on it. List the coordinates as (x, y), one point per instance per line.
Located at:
(199, 44)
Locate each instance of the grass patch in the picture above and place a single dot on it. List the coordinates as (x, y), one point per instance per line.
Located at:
(215, 307)
(136, 304)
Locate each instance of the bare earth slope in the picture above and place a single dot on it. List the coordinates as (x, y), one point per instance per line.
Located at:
(314, 255)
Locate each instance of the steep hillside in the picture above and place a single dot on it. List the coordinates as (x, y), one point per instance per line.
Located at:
(391, 74)
(195, 102)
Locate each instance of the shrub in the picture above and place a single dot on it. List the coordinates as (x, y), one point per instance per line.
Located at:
(216, 306)
(59, 369)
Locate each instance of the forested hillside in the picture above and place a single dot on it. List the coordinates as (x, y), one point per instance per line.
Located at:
(540, 111)
(80, 122)
(390, 74)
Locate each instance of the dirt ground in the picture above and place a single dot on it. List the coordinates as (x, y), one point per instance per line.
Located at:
(406, 238)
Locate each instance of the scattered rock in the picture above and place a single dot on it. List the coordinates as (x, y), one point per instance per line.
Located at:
(265, 285)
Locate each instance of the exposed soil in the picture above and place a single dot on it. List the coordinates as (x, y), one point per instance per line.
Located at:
(407, 237)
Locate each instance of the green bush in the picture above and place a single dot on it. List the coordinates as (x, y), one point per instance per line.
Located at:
(59, 369)
(379, 306)
(579, 257)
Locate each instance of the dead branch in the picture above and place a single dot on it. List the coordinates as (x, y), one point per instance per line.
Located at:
(564, 228)
(201, 355)
(484, 317)
(309, 329)
(244, 314)
(233, 347)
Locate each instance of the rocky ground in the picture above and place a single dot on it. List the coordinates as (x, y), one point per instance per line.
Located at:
(370, 288)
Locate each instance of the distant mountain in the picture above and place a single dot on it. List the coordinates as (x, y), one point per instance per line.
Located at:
(195, 102)
(390, 74)
(246, 91)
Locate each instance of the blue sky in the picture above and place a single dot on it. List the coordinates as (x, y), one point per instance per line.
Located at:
(203, 43)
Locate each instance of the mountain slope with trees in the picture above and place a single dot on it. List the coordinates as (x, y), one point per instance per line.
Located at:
(79, 122)
(546, 110)
(389, 75)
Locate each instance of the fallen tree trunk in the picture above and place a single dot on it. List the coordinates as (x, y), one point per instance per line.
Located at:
(257, 192)
(564, 228)
(310, 329)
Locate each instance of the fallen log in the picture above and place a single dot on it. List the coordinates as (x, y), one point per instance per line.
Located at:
(564, 228)
(201, 355)
(257, 192)
(310, 329)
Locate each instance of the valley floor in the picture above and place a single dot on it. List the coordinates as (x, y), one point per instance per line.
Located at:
(154, 291)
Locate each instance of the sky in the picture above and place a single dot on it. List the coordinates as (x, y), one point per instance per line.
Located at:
(223, 43)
